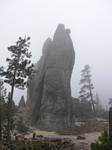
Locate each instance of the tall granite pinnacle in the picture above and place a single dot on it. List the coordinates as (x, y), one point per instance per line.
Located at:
(49, 92)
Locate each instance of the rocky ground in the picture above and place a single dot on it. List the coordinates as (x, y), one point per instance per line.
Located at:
(81, 144)
(88, 133)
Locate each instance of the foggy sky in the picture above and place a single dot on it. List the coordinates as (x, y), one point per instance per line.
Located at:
(90, 22)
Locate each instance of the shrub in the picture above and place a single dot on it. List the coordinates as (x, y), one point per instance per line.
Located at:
(103, 143)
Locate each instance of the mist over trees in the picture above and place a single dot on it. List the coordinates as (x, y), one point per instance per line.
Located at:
(86, 90)
(19, 69)
(110, 102)
(88, 104)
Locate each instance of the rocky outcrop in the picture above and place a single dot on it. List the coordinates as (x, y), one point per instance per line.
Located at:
(49, 93)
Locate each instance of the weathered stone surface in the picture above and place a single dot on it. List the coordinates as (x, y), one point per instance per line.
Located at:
(49, 92)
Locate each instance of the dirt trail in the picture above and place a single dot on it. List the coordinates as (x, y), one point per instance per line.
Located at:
(89, 137)
(92, 137)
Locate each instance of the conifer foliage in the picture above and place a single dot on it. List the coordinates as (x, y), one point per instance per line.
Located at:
(19, 69)
(19, 65)
(86, 91)
(103, 142)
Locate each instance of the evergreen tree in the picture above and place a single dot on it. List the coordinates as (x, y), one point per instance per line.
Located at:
(98, 106)
(18, 70)
(97, 99)
(22, 102)
(2, 102)
(21, 125)
(110, 102)
(86, 91)
(103, 142)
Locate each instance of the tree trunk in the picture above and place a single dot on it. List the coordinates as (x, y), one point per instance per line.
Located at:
(91, 96)
(8, 138)
(10, 113)
(0, 115)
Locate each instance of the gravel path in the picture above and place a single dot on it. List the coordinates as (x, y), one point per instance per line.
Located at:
(89, 137)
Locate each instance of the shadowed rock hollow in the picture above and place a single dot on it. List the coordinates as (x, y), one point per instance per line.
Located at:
(49, 93)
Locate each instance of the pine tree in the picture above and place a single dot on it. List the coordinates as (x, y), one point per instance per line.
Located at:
(97, 99)
(98, 106)
(18, 70)
(86, 91)
(2, 102)
(110, 102)
(103, 142)
(22, 102)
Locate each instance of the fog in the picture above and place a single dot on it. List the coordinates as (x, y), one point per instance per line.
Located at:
(90, 22)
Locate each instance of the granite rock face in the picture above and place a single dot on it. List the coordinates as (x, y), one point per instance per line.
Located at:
(49, 92)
